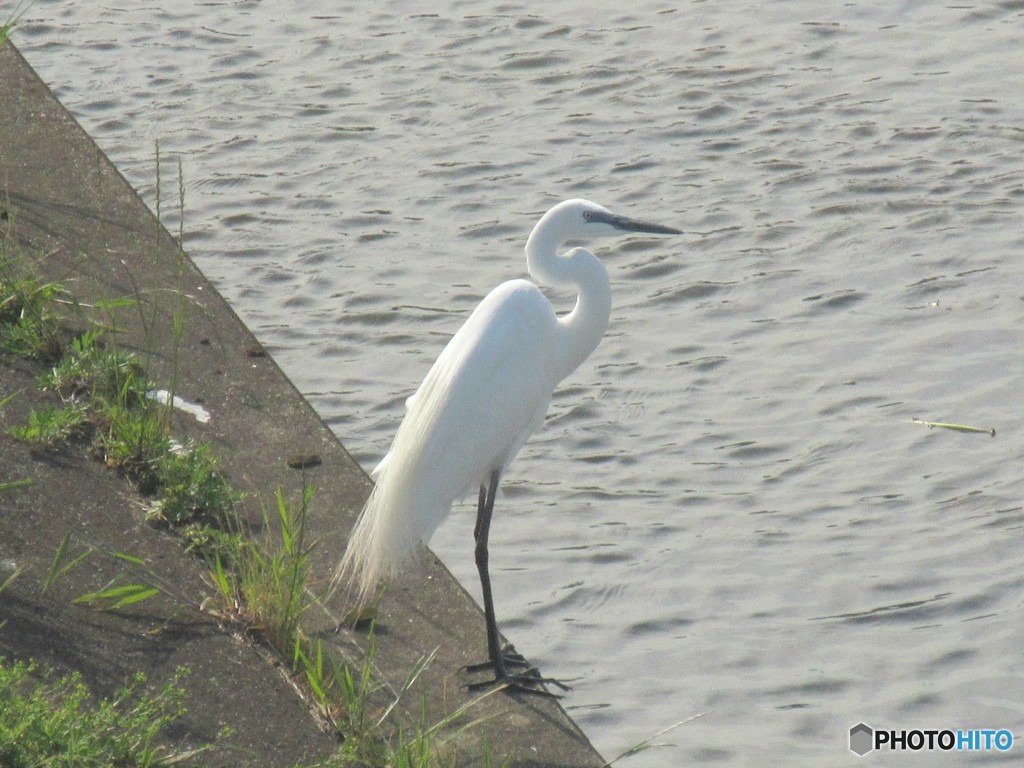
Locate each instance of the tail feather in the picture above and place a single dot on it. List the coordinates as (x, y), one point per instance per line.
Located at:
(390, 527)
(370, 556)
(415, 487)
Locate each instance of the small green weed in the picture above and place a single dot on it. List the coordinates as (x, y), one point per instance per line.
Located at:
(192, 489)
(323, 678)
(10, 578)
(108, 387)
(50, 426)
(133, 441)
(10, 485)
(52, 721)
(12, 21)
(28, 323)
(96, 374)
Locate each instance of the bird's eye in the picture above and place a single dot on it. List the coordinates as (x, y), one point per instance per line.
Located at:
(587, 215)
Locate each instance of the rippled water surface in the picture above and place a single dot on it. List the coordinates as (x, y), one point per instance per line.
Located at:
(730, 509)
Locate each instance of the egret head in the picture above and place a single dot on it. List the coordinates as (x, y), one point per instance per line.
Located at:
(583, 220)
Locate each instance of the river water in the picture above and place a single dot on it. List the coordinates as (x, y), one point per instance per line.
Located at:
(730, 509)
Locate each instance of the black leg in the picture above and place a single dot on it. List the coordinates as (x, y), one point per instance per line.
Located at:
(499, 659)
(484, 512)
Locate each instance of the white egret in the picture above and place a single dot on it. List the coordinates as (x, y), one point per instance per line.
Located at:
(485, 395)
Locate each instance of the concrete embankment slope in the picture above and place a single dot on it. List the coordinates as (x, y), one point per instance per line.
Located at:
(67, 206)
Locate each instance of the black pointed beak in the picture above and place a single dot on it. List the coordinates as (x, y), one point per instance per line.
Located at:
(627, 224)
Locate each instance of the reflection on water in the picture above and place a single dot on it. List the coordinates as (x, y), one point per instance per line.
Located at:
(730, 508)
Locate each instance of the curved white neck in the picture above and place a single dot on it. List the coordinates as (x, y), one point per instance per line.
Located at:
(583, 328)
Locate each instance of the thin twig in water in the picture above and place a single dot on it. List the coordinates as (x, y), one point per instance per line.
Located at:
(955, 427)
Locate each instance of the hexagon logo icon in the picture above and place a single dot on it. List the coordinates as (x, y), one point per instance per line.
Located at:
(861, 739)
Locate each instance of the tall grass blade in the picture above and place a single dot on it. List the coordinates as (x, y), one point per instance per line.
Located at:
(9, 580)
(10, 397)
(129, 558)
(58, 567)
(649, 742)
(284, 522)
(221, 582)
(123, 595)
(418, 668)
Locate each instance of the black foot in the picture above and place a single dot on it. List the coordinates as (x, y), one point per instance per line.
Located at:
(509, 658)
(527, 679)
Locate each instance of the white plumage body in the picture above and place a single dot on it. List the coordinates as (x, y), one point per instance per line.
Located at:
(479, 406)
